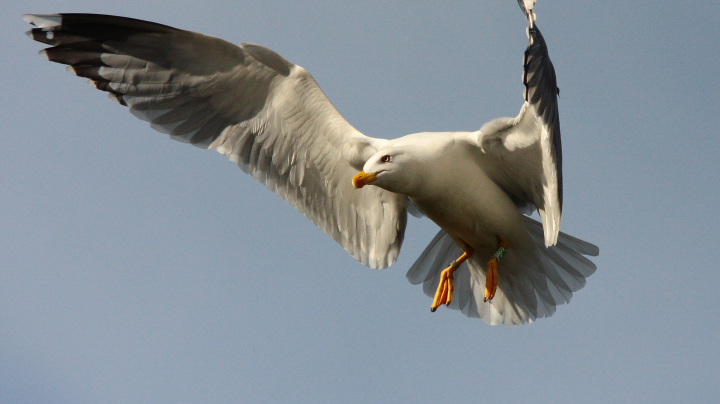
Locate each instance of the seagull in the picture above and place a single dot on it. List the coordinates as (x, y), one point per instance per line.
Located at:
(269, 116)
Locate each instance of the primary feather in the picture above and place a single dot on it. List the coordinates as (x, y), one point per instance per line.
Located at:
(259, 110)
(269, 116)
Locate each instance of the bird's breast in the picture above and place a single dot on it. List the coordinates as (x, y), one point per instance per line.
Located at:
(470, 207)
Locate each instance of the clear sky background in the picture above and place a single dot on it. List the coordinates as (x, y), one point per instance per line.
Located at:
(135, 269)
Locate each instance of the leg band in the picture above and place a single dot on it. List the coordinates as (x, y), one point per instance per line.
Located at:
(499, 253)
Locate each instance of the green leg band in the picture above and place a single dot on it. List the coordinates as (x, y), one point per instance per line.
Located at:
(499, 253)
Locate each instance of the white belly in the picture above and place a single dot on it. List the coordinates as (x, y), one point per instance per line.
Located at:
(472, 209)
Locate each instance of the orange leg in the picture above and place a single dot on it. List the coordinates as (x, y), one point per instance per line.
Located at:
(444, 292)
(491, 280)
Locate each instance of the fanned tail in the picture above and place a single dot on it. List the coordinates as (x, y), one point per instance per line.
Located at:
(526, 291)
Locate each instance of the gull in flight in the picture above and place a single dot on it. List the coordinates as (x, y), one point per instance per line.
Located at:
(269, 116)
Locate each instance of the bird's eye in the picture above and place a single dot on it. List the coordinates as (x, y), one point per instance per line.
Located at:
(385, 159)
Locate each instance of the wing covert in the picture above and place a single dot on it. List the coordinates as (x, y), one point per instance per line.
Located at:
(526, 152)
(247, 102)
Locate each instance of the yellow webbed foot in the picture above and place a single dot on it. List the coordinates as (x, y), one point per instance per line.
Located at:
(491, 279)
(444, 292)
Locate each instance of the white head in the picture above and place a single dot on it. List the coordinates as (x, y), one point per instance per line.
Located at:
(398, 169)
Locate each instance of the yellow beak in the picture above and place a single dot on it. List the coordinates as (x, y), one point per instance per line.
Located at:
(362, 179)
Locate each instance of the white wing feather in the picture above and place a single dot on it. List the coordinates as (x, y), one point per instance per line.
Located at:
(525, 153)
(248, 103)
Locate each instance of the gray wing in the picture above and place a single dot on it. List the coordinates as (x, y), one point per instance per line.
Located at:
(248, 103)
(524, 154)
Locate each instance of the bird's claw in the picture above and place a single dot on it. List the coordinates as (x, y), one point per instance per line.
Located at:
(491, 279)
(444, 292)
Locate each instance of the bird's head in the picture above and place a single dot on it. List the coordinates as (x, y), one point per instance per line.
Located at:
(390, 168)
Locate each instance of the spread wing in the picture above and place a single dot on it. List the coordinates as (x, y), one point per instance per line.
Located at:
(248, 103)
(524, 154)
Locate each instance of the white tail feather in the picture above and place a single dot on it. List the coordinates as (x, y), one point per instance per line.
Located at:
(534, 292)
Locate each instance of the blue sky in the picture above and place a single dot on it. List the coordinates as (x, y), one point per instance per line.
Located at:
(138, 269)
